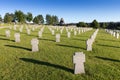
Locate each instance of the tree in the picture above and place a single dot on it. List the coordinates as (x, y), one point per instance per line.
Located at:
(81, 24)
(62, 22)
(41, 19)
(0, 18)
(20, 16)
(29, 17)
(55, 20)
(95, 24)
(8, 17)
(36, 20)
(48, 19)
(103, 25)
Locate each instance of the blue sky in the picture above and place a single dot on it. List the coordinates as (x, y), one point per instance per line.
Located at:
(70, 10)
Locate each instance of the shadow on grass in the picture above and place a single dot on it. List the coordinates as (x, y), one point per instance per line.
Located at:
(70, 46)
(47, 64)
(79, 39)
(108, 40)
(108, 46)
(47, 40)
(2, 35)
(108, 59)
(18, 47)
(7, 39)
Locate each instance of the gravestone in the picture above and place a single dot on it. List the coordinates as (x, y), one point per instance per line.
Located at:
(34, 43)
(7, 32)
(53, 32)
(79, 31)
(40, 34)
(15, 27)
(28, 31)
(21, 29)
(75, 33)
(17, 37)
(78, 60)
(68, 34)
(117, 35)
(114, 34)
(57, 37)
(33, 29)
(89, 44)
(61, 31)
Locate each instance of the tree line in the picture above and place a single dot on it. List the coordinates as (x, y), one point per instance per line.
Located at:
(21, 17)
(96, 24)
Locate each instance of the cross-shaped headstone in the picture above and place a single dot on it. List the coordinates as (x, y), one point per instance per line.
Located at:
(78, 60)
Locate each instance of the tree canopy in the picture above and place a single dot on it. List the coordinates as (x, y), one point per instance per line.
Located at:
(82, 24)
(29, 17)
(95, 24)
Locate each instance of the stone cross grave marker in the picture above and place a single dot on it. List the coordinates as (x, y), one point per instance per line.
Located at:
(7, 32)
(75, 33)
(40, 34)
(89, 45)
(57, 37)
(53, 32)
(34, 43)
(117, 35)
(28, 31)
(78, 60)
(17, 37)
(68, 34)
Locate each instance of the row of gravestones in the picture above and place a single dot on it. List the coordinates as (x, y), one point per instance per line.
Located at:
(113, 33)
(91, 40)
(78, 30)
(78, 58)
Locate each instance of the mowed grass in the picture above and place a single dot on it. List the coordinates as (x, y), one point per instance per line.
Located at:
(54, 60)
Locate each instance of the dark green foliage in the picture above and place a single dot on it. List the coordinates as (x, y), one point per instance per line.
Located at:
(29, 17)
(55, 20)
(38, 19)
(41, 19)
(20, 16)
(51, 20)
(95, 24)
(48, 19)
(35, 20)
(8, 17)
(62, 22)
(0, 18)
(82, 24)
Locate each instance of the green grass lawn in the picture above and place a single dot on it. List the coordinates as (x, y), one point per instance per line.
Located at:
(54, 60)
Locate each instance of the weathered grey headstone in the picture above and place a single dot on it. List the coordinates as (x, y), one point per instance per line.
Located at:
(34, 43)
(78, 60)
(17, 37)
(57, 37)
(7, 32)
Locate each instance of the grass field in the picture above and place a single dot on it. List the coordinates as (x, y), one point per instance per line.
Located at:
(54, 60)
